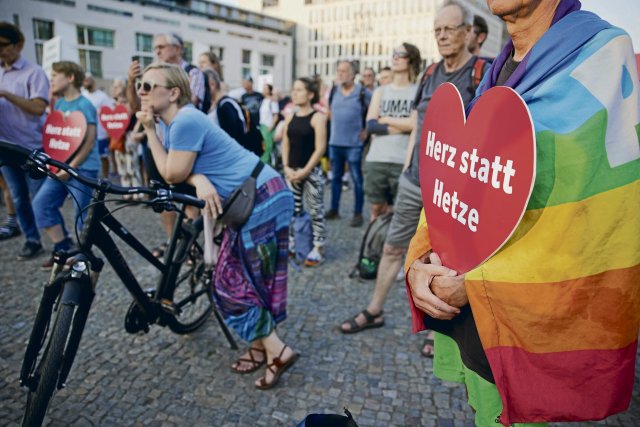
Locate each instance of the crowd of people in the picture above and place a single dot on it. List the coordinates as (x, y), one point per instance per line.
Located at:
(189, 129)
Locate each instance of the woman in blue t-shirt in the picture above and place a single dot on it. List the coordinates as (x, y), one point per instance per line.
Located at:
(250, 279)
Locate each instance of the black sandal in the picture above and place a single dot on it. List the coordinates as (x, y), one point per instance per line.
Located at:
(369, 324)
(255, 363)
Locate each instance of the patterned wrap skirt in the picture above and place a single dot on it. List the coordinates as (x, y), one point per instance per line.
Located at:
(250, 279)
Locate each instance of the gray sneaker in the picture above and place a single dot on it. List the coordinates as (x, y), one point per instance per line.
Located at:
(29, 250)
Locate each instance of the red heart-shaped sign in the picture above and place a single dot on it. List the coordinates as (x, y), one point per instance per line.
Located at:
(476, 175)
(115, 121)
(62, 135)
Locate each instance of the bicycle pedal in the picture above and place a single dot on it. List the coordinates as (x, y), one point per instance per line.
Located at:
(168, 306)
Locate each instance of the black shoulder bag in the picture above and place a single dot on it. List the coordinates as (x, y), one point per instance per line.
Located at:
(239, 205)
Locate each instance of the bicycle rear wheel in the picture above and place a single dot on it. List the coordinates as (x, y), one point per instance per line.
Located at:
(48, 370)
(191, 295)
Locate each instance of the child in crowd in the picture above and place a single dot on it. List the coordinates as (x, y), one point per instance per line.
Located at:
(66, 80)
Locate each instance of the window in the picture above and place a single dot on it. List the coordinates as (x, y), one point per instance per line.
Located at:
(267, 62)
(246, 63)
(109, 10)
(144, 48)
(42, 31)
(69, 3)
(218, 51)
(89, 38)
(95, 37)
(187, 51)
(91, 61)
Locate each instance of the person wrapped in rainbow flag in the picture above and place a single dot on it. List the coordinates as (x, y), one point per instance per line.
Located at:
(547, 328)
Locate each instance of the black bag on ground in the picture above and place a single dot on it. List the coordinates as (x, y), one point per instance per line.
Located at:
(329, 420)
(371, 248)
(239, 205)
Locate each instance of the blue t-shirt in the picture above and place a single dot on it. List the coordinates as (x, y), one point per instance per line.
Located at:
(82, 104)
(220, 157)
(346, 117)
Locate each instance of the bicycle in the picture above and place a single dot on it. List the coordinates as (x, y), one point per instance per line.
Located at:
(181, 299)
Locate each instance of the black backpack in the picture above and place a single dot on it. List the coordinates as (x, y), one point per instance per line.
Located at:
(371, 248)
(329, 420)
(206, 102)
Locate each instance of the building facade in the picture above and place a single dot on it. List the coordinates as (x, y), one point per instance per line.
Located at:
(104, 35)
(365, 30)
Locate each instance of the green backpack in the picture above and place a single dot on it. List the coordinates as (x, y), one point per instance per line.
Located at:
(371, 248)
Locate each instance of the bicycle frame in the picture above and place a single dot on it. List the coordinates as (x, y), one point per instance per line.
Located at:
(96, 233)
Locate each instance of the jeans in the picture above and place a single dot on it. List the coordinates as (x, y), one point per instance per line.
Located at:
(21, 186)
(52, 195)
(352, 155)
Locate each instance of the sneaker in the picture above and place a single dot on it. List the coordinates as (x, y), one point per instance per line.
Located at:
(9, 231)
(332, 215)
(314, 258)
(357, 221)
(29, 250)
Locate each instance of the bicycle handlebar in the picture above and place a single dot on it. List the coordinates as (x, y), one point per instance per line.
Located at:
(37, 162)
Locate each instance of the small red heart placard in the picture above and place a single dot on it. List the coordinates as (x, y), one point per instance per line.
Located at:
(476, 175)
(115, 121)
(62, 135)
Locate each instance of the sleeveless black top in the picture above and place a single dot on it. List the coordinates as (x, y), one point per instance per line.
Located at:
(302, 140)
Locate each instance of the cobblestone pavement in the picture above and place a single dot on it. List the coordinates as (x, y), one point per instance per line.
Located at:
(162, 379)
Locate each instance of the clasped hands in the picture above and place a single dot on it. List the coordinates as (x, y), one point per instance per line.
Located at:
(436, 289)
(295, 175)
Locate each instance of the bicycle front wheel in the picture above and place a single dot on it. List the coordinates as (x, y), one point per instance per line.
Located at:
(191, 295)
(48, 370)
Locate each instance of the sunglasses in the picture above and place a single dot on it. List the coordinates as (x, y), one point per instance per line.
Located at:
(400, 54)
(148, 85)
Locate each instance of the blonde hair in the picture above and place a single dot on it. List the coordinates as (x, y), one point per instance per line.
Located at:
(175, 77)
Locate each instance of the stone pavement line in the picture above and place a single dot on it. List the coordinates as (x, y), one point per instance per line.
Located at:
(162, 379)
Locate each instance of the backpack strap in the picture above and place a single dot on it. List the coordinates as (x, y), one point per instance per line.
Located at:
(476, 73)
(332, 93)
(429, 72)
(423, 81)
(363, 106)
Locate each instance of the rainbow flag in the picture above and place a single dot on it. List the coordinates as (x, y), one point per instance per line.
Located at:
(558, 307)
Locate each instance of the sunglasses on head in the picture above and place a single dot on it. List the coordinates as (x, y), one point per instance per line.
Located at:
(400, 54)
(147, 85)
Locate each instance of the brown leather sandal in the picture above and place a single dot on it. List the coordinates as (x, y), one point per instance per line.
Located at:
(277, 368)
(255, 363)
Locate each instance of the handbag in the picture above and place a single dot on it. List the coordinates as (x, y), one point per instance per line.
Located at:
(239, 205)
(302, 236)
